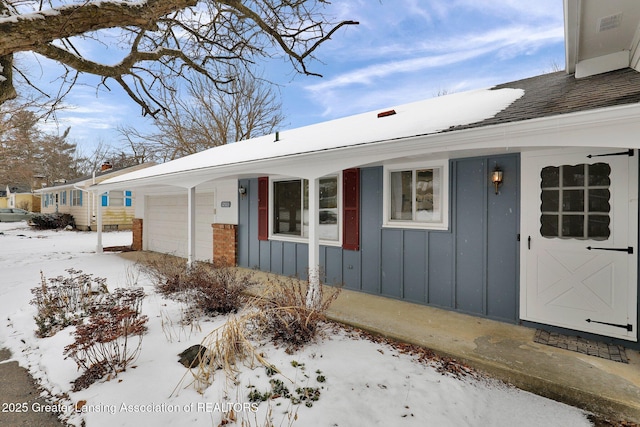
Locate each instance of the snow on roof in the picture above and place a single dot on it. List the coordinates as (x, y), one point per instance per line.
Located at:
(98, 177)
(403, 121)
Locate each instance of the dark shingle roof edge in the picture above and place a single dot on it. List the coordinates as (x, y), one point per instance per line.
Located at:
(561, 93)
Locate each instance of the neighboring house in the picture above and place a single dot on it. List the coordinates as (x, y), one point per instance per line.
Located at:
(22, 198)
(517, 203)
(73, 197)
(4, 201)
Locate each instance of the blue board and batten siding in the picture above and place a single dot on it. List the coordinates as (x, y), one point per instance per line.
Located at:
(472, 267)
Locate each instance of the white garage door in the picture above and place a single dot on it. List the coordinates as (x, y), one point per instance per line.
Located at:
(166, 225)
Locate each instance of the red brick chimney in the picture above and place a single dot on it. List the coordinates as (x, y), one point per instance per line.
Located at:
(106, 166)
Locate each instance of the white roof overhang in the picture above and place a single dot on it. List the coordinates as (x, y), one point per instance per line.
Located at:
(298, 151)
(615, 127)
(601, 36)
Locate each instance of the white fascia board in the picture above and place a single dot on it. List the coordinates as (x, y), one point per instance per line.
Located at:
(602, 64)
(607, 127)
(80, 185)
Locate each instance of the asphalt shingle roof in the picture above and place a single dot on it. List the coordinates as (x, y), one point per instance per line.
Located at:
(560, 93)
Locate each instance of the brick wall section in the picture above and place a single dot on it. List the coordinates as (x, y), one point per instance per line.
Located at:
(224, 244)
(136, 226)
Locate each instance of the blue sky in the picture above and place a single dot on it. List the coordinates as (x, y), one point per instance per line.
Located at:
(402, 51)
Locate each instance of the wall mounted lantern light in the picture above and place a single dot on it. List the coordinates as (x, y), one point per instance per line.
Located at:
(496, 177)
(242, 190)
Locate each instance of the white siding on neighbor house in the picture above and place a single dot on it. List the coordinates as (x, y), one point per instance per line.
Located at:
(81, 214)
(165, 224)
(85, 214)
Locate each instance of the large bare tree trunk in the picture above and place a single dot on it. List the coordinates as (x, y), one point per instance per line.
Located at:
(27, 32)
(7, 91)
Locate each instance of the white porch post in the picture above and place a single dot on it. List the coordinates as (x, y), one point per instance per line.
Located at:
(98, 206)
(191, 225)
(314, 293)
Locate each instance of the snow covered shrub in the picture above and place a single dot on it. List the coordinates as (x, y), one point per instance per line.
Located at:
(211, 289)
(63, 301)
(226, 347)
(52, 221)
(217, 290)
(279, 314)
(101, 344)
(284, 315)
(167, 272)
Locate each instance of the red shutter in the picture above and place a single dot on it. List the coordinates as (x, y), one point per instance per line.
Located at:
(263, 208)
(351, 209)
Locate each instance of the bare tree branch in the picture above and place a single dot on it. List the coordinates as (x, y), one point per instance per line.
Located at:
(208, 117)
(162, 39)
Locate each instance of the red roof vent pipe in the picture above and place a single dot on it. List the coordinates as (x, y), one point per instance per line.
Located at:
(386, 113)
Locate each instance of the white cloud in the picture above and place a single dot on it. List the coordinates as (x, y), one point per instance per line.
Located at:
(512, 10)
(506, 42)
(393, 66)
(369, 74)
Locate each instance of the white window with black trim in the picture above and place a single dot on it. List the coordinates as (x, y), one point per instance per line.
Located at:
(416, 195)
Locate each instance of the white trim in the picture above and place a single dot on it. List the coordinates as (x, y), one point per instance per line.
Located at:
(294, 239)
(633, 238)
(191, 225)
(603, 64)
(571, 33)
(443, 224)
(530, 187)
(71, 198)
(301, 239)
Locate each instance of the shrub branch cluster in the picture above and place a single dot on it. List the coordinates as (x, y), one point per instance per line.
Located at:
(104, 322)
(209, 289)
(284, 315)
(52, 221)
(101, 344)
(62, 301)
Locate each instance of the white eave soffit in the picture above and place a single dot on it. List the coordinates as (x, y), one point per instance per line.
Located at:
(601, 36)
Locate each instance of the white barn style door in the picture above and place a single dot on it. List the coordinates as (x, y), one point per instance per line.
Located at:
(579, 240)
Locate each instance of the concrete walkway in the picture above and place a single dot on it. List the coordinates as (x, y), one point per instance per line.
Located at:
(20, 397)
(608, 389)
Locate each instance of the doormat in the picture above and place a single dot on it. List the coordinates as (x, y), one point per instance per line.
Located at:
(582, 345)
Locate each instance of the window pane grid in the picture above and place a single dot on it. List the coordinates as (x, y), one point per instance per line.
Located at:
(575, 201)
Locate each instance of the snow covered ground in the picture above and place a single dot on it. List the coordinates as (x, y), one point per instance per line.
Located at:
(365, 383)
